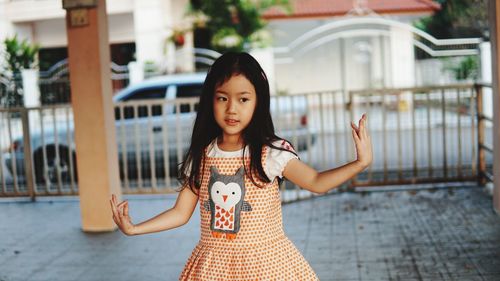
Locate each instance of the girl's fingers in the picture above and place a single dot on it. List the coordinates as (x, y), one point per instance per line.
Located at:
(355, 136)
(116, 206)
(353, 126)
(364, 132)
(113, 207)
(117, 210)
(122, 203)
(362, 127)
(125, 209)
(361, 121)
(117, 222)
(120, 212)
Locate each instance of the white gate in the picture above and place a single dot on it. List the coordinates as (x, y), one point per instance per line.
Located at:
(355, 53)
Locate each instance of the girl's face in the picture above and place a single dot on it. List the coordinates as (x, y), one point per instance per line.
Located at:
(234, 105)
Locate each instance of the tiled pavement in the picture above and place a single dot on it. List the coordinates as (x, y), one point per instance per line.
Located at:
(436, 234)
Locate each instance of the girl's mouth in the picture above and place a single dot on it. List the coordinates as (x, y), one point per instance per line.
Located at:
(231, 122)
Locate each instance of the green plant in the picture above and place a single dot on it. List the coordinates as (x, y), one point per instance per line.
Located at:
(151, 68)
(236, 24)
(457, 19)
(18, 55)
(467, 68)
(227, 39)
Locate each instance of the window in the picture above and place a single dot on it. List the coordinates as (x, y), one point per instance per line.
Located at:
(189, 91)
(147, 94)
(143, 111)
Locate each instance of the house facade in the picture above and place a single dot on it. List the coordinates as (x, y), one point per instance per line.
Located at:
(326, 45)
(138, 30)
(344, 57)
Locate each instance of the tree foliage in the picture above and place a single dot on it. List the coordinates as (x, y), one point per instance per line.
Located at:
(457, 19)
(233, 24)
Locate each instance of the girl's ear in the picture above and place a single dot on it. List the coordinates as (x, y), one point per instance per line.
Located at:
(213, 170)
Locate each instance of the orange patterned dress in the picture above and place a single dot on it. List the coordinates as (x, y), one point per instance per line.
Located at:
(242, 235)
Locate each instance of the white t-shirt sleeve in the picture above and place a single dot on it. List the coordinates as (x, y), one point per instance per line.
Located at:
(277, 159)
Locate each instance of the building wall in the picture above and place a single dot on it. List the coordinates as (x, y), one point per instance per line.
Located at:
(346, 58)
(35, 10)
(147, 23)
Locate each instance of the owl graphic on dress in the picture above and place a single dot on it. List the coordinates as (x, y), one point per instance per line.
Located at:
(226, 202)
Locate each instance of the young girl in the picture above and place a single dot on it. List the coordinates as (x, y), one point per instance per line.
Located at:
(231, 170)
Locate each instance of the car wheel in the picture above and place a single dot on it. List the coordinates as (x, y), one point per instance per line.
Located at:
(54, 166)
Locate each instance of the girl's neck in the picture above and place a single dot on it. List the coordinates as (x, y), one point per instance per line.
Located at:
(230, 143)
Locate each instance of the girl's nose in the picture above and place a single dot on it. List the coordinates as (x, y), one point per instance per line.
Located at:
(231, 107)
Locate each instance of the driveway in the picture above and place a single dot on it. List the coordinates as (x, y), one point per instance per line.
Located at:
(447, 233)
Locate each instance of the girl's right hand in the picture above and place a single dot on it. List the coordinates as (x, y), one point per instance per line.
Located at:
(121, 217)
(363, 142)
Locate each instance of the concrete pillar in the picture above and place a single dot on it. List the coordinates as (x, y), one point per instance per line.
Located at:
(265, 57)
(494, 18)
(377, 64)
(5, 26)
(91, 93)
(31, 91)
(402, 64)
(486, 69)
(152, 20)
(135, 72)
(403, 58)
(185, 55)
(170, 62)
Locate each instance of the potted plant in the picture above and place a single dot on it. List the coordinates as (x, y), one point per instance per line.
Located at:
(18, 55)
(178, 36)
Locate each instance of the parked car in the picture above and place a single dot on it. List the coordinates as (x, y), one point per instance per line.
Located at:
(154, 120)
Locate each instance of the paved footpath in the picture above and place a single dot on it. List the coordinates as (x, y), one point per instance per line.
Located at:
(437, 234)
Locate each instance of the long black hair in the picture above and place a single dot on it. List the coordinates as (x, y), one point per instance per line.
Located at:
(259, 132)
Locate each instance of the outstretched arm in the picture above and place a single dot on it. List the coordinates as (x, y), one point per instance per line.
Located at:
(171, 218)
(320, 182)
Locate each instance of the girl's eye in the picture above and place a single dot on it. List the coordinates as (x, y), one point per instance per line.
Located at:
(221, 98)
(244, 99)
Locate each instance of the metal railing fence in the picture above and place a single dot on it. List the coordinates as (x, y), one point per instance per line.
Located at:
(10, 90)
(419, 135)
(431, 132)
(485, 142)
(45, 134)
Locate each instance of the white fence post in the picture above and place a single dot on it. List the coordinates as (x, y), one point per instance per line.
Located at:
(135, 72)
(485, 49)
(170, 57)
(31, 92)
(185, 55)
(402, 64)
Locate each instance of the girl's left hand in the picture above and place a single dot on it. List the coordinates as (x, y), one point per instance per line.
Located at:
(363, 142)
(121, 217)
